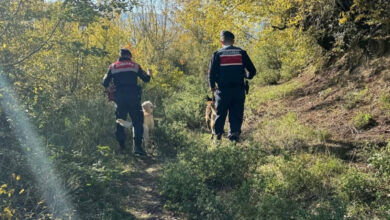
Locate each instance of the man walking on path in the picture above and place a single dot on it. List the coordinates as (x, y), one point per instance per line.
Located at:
(127, 96)
(229, 66)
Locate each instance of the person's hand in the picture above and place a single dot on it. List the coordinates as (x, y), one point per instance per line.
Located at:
(149, 72)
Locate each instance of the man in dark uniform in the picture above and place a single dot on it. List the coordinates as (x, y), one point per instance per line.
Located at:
(229, 67)
(127, 96)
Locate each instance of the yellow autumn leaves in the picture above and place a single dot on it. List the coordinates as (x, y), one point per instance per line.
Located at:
(8, 212)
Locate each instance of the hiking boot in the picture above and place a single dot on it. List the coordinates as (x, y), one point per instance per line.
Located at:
(122, 147)
(140, 153)
(138, 150)
(234, 137)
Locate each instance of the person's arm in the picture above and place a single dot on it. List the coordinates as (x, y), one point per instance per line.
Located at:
(143, 75)
(107, 78)
(213, 71)
(248, 65)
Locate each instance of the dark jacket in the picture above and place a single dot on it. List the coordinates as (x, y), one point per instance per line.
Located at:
(124, 74)
(229, 66)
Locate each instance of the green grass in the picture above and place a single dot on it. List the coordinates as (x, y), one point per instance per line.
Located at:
(288, 133)
(354, 97)
(363, 120)
(384, 102)
(264, 94)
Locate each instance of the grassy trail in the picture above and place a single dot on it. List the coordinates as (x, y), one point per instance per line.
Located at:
(144, 200)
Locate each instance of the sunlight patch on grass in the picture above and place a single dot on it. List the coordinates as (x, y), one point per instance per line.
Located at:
(261, 95)
(288, 133)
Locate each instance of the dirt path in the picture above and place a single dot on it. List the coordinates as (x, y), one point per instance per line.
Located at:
(144, 201)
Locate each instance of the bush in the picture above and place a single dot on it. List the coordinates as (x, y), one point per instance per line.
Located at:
(260, 95)
(282, 54)
(357, 186)
(221, 167)
(381, 161)
(171, 138)
(385, 102)
(286, 133)
(200, 183)
(359, 190)
(363, 120)
(188, 104)
(353, 98)
(300, 188)
(270, 77)
(185, 192)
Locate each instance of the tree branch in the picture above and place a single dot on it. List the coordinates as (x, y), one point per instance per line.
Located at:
(36, 49)
(9, 23)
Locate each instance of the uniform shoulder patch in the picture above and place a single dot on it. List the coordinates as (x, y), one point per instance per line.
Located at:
(231, 57)
(124, 66)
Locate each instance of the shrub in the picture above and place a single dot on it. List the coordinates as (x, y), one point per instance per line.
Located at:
(260, 95)
(357, 186)
(282, 54)
(187, 104)
(202, 183)
(221, 167)
(385, 102)
(381, 161)
(270, 77)
(181, 186)
(363, 120)
(353, 98)
(286, 133)
(296, 188)
(185, 192)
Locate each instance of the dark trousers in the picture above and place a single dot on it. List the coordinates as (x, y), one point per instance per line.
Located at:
(134, 109)
(229, 100)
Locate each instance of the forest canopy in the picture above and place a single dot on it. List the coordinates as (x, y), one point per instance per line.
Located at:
(53, 55)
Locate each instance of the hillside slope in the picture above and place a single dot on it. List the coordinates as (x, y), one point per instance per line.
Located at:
(314, 147)
(331, 101)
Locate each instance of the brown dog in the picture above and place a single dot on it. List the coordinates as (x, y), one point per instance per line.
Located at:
(211, 113)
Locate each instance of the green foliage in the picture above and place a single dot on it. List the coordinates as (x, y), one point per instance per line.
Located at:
(55, 54)
(283, 188)
(260, 95)
(187, 104)
(186, 193)
(357, 186)
(381, 161)
(221, 167)
(361, 192)
(282, 55)
(287, 133)
(354, 97)
(171, 138)
(196, 184)
(363, 120)
(384, 102)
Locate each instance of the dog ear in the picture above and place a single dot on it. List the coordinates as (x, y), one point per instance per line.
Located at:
(209, 99)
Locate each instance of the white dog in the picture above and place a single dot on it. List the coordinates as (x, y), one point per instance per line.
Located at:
(148, 125)
(147, 107)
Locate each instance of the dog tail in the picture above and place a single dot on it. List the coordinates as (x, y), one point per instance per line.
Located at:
(124, 123)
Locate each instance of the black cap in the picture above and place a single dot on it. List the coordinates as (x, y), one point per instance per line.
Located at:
(227, 35)
(125, 52)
